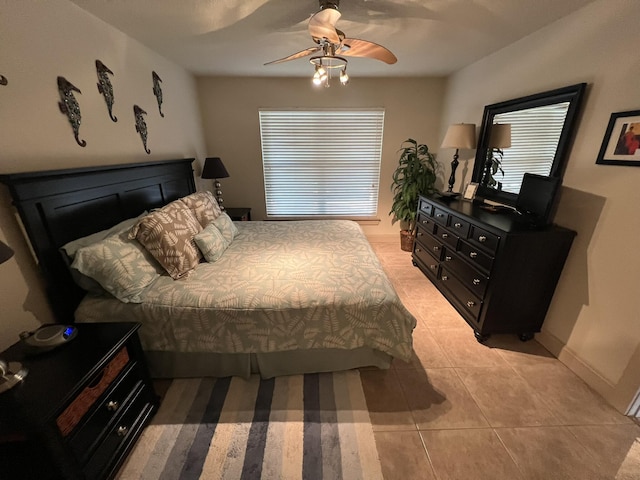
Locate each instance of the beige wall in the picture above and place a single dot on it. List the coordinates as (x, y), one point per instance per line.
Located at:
(229, 108)
(594, 320)
(41, 41)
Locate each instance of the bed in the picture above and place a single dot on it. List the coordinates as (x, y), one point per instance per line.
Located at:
(283, 297)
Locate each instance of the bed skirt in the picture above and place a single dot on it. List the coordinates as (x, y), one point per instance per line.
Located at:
(272, 364)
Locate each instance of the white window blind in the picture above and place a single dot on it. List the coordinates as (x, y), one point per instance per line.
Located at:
(535, 134)
(321, 162)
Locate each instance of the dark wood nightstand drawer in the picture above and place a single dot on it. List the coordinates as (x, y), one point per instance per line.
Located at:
(126, 425)
(110, 405)
(240, 214)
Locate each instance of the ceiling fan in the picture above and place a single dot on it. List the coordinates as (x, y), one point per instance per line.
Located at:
(333, 45)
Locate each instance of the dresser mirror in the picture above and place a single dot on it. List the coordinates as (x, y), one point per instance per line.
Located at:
(542, 128)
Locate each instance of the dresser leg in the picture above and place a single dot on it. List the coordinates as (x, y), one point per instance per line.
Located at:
(480, 337)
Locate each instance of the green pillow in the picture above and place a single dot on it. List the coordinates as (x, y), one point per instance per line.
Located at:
(211, 243)
(121, 266)
(226, 227)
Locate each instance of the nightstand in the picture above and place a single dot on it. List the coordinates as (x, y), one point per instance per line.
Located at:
(241, 214)
(80, 409)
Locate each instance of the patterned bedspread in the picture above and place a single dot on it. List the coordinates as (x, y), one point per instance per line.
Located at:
(279, 286)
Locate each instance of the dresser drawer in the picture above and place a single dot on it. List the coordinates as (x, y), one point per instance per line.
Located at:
(428, 243)
(432, 263)
(109, 406)
(463, 297)
(425, 207)
(440, 216)
(471, 278)
(475, 255)
(459, 225)
(426, 223)
(446, 237)
(118, 436)
(483, 239)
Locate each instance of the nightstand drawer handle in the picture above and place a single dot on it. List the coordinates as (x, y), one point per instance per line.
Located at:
(476, 281)
(471, 304)
(445, 278)
(482, 239)
(122, 431)
(112, 405)
(457, 225)
(448, 258)
(445, 235)
(473, 254)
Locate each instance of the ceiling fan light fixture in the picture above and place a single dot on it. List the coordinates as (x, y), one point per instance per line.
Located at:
(344, 78)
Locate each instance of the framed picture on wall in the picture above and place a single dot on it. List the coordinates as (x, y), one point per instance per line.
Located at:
(621, 143)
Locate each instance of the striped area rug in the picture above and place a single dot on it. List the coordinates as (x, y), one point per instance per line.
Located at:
(312, 426)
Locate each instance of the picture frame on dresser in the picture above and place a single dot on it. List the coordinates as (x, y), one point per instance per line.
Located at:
(470, 191)
(621, 143)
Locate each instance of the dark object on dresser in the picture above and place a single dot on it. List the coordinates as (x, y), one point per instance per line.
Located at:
(58, 206)
(81, 409)
(239, 214)
(496, 269)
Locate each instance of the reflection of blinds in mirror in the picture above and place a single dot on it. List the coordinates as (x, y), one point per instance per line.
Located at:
(535, 133)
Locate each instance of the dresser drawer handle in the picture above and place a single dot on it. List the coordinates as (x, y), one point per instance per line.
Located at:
(473, 254)
(419, 234)
(445, 278)
(418, 249)
(122, 431)
(457, 225)
(448, 258)
(426, 222)
(445, 235)
(439, 215)
(476, 281)
(435, 249)
(482, 239)
(112, 405)
(433, 267)
(471, 304)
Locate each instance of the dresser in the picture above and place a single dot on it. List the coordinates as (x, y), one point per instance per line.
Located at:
(496, 269)
(81, 407)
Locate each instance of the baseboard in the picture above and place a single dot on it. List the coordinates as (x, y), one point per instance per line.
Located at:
(591, 377)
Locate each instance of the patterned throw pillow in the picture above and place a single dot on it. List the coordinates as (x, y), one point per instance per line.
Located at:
(226, 227)
(211, 243)
(168, 235)
(120, 265)
(203, 205)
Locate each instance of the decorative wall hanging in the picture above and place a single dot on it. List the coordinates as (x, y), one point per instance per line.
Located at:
(157, 91)
(621, 143)
(69, 106)
(105, 87)
(3, 80)
(141, 126)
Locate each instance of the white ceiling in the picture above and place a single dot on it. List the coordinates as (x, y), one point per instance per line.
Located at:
(236, 37)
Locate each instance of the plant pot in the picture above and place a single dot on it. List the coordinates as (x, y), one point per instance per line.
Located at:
(406, 240)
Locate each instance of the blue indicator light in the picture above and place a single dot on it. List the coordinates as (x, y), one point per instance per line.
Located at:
(68, 331)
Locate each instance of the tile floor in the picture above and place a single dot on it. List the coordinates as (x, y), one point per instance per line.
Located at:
(460, 410)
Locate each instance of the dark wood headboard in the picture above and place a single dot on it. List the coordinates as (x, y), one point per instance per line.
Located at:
(58, 206)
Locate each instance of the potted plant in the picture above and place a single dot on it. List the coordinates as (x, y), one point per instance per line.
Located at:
(414, 176)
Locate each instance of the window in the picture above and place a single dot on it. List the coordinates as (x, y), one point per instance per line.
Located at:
(321, 162)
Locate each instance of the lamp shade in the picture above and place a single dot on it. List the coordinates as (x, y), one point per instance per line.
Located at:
(460, 135)
(5, 252)
(214, 168)
(500, 135)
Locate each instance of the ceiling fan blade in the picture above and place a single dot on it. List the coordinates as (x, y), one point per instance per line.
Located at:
(323, 25)
(302, 53)
(354, 47)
